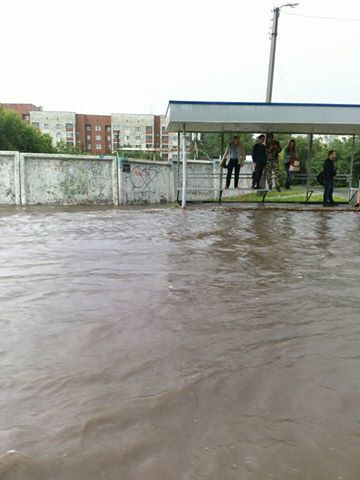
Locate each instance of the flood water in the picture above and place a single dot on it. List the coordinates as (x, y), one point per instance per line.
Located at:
(166, 345)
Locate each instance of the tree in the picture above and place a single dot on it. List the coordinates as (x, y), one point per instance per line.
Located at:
(20, 136)
(63, 147)
(138, 154)
(211, 143)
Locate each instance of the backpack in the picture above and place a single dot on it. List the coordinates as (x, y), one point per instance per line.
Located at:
(321, 178)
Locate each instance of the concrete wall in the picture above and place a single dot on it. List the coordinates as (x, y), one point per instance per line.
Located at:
(46, 179)
(245, 180)
(68, 180)
(199, 175)
(202, 175)
(142, 181)
(9, 178)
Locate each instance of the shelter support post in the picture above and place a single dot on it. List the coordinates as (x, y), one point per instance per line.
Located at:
(184, 165)
(178, 166)
(309, 163)
(351, 167)
(222, 146)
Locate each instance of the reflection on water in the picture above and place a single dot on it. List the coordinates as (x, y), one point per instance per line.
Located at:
(161, 344)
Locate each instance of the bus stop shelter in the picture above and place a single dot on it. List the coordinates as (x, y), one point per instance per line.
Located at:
(243, 117)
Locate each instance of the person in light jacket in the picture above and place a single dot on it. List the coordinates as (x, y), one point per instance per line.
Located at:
(233, 159)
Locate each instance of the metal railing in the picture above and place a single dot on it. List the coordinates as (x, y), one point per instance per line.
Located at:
(309, 181)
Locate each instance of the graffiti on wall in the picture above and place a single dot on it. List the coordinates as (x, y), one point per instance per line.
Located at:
(143, 178)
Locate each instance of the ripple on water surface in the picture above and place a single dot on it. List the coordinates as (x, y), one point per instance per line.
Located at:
(211, 343)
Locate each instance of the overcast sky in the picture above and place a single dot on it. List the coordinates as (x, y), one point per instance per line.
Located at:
(93, 56)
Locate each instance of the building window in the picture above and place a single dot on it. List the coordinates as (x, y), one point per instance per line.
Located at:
(35, 124)
(70, 143)
(149, 145)
(70, 126)
(165, 139)
(108, 129)
(148, 129)
(138, 129)
(148, 138)
(89, 146)
(98, 128)
(137, 146)
(98, 146)
(97, 137)
(58, 126)
(116, 127)
(46, 126)
(26, 117)
(109, 138)
(163, 129)
(88, 137)
(88, 128)
(127, 138)
(70, 134)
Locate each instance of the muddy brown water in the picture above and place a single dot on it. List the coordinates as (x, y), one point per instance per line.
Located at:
(163, 345)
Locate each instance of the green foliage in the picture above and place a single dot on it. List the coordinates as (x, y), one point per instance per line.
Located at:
(293, 196)
(20, 136)
(211, 143)
(63, 147)
(138, 154)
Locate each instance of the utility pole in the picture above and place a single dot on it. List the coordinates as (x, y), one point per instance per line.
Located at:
(274, 33)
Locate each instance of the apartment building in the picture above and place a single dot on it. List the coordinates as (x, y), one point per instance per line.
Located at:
(59, 125)
(102, 134)
(22, 109)
(93, 134)
(132, 130)
(144, 132)
(168, 142)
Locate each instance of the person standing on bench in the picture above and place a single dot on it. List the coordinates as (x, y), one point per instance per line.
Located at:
(357, 201)
(329, 174)
(259, 160)
(273, 148)
(235, 155)
(290, 157)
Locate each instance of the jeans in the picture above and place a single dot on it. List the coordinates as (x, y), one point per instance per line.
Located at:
(233, 163)
(328, 190)
(289, 175)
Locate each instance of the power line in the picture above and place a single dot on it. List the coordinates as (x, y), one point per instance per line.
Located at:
(323, 18)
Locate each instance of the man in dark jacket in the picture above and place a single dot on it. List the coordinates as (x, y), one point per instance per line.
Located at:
(259, 160)
(329, 174)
